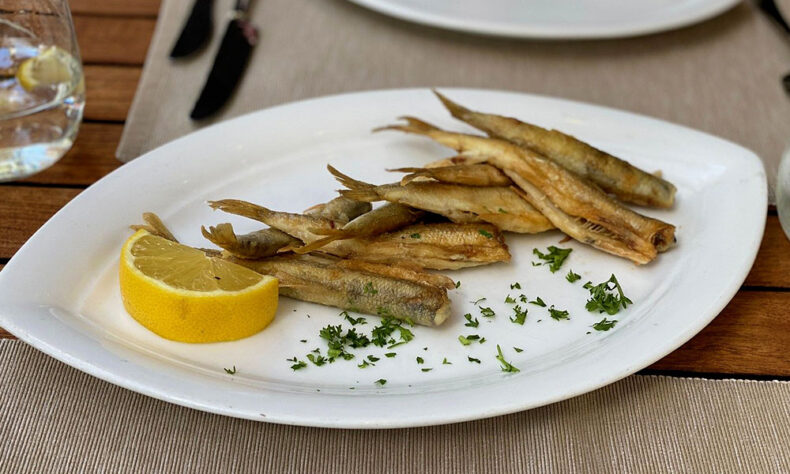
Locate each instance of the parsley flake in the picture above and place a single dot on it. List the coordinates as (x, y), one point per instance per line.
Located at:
(520, 315)
(604, 299)
(604, 324)
(471, 323)
(515, 286)
(539, 302)
(373, 358)
(458, 284)
(230, 371)
(466, 340)
(298, 364)
(390, 354)
(554, 258)
(381, 382)
(354, 321)
(420, 360)
(427, 369)
(572, 277)
(415, 235)
(509, 299)
(472, 359)
(522, 298)
(478, 301)
(318, 360)
(446, 362)
(368, 289)
(486, 234)
(518, 349)
(558, 314)
(487, 312)
(506, 366)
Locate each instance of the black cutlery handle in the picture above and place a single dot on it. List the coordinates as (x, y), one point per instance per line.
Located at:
(770, 8)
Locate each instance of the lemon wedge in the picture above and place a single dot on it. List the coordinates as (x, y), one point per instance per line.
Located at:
(52, 66)
(181, 294)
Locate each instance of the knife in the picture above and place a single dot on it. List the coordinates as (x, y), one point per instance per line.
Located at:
(770, 8)
(229, 64)
(197, 30)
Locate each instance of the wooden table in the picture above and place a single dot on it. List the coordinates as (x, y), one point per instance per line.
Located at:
(750, 338)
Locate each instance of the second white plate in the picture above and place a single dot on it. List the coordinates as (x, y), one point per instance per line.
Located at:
(553, 19)
(60, 291)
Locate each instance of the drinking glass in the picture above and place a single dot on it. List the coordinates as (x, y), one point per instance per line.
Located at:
(783, 192)
(42, 90)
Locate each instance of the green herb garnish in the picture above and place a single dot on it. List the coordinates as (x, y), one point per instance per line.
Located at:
(364, 364)
(368, 289)
(520, 315)
(230, 371)
(318, 360)
(604, 324)
(509, 299)
(353, 321)
(298, 364)
(420, 360)
(486, 234)
(390, 354)
(471, 323)
(554, 258)
(506, 366)
(381, 381)
(446, 362)
(458, 284)
(502, 211)
(427, 369)
(522, 298)
(472, 359)
(373, 358)
(466, 340)
(515, 286)
(572, 277)
(603, 297)
(558, 314)
(539, 302)
(415, 235)
(487, 312)
(518, 349)
(478, 301)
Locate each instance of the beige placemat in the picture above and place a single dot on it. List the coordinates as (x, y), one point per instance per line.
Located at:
(721, 76)
(56, 419)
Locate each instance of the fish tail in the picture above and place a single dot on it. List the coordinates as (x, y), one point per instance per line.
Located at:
(413, 125)
(154, 225)
(414, 173)
(357, 190)
(313, 246)
(456, 110)
(222, 235)
(242, 208)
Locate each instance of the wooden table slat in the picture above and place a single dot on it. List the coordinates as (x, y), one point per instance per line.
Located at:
(113, 40)
(115, 7)
(110, 90)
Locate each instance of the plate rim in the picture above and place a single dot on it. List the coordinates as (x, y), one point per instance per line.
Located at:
(488, 28)
(135, 385)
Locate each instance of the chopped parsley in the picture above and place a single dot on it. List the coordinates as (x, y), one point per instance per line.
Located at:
(502, 211)
(572, 277)
(427, 369)
(509, 299)
(472, 359)
(381, 382)
(458, 284)
(522, 298)
(364, 364)
(506, 366)
(518, 349)
(298, 364)
(487, 312)
(446, 362)
(303, 340)
(390, 354)
(515, 286)
(604, 324)
(318, 360)
(558, 314)
(554, 258)
(486, 234)
(420, 360)
(368, 289)
(470, 322)
(373, 358)
(539, 302)
(415, 235)
(466, 340)
(478, 301)
(360, 320)
(520, 315)
(382, 334)
(603, 297)
(230, 371)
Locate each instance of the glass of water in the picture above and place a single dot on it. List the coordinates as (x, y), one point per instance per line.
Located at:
(42, 90)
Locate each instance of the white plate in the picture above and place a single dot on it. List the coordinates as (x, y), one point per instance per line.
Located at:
(555, 19)
(60, 291)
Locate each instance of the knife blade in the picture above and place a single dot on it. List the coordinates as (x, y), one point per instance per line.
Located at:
(229, 63)
(196, 31)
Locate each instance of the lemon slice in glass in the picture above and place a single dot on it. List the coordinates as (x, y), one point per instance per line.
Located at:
(51, 67)
(181, 294)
